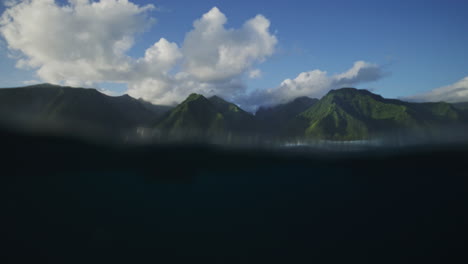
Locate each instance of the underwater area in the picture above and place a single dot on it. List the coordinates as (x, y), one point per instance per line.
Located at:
(66, 200)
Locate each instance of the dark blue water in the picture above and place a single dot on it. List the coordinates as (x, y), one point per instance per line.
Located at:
(64, 201)
(272, 214)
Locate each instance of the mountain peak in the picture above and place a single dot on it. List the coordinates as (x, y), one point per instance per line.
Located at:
(43, 85)
(194, 114)
(194, 96)
(202, 115)
(196, 100)
(352, 93)
(349, 114)
(224, 106)
(344, 90)
(350, 90)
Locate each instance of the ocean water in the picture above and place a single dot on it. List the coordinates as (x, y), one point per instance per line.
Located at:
(70, 202)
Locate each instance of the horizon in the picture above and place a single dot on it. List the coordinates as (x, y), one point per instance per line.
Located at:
(252, 111)
(162, 52)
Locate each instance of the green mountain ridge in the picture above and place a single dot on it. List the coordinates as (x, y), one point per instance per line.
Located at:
(238, 120)
(194, 115)
(74, 108)
(463, 107)
(277, 118)
(349, 114)
(342, 114)
(199, 115)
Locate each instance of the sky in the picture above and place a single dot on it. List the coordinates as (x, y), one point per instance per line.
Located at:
(250, 52)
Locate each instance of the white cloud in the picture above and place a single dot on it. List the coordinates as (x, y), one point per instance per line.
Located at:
(214, 59)
(315, 83)
(173, 89)
(361, 72)
(457, 92)
(76, 43)
(84, 43)
(214, 53)
(159, 59)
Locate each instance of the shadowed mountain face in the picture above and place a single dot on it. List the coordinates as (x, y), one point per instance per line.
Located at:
(462, 107)
(348, 113)
(238, 120)
(343, 114)
(74, 109)
(199, 115)
(277, 118)
(67, 201)
(195, 114)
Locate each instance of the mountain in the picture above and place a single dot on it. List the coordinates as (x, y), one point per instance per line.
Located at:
(342, 114)
(74, 109)
(276, 118)
(158, 110)
(237, 120)
(463, 107)
(194, 115)
(199, 115)
(349, 113)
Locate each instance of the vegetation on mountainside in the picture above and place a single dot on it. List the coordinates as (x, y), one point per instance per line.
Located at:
(343, 114)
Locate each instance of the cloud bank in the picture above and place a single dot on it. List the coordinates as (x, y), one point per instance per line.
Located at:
(84, 43)
(79, 43)
(315, 83)
(457, 92)
(214, 60)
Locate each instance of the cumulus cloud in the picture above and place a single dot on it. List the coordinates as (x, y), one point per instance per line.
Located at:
(173, 89)
(214, 53)
(83, 43)
(361, 72)
(214, 60)
(80, 42)
(315, 83)
(159, 59)
(457, 92)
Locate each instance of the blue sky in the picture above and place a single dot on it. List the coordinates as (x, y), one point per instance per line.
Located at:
(419, 45)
